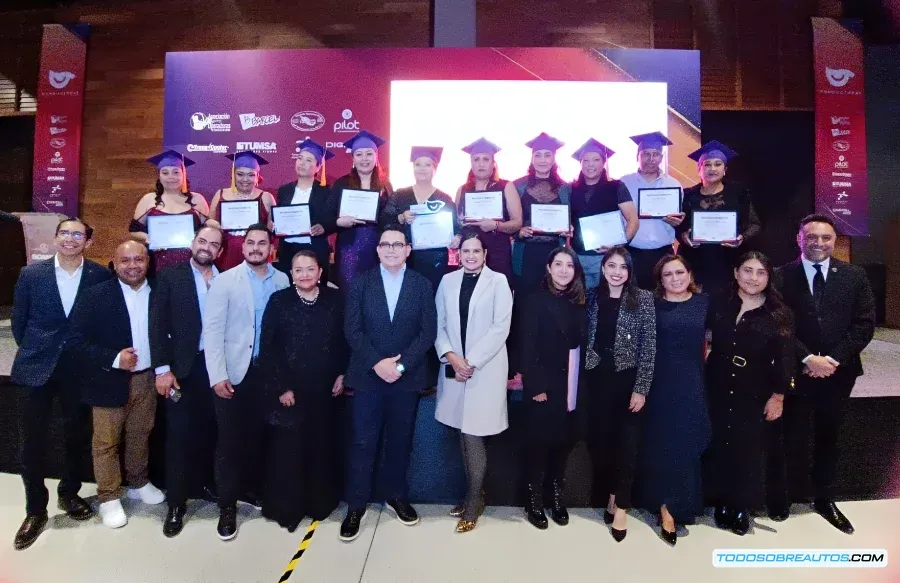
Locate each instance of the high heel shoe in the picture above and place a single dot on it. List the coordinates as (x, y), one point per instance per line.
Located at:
(668, 537)
(740, 524)
(608, 516)
(534, 510)
(724, 517)
(466, 525)
(618, 535)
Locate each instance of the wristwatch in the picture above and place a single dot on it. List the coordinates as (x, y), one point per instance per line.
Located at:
(400, 368)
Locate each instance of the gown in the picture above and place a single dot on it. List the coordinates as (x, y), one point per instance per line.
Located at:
(676, 419)
(161, 258)
(233, 251)
(497, 244)
(355, 248)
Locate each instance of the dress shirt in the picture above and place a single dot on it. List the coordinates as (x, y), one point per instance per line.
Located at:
(810, 271)
(262, 291)
(138, 304)
(652, 233)
(392, 285)
(301, 196)
(67, 284)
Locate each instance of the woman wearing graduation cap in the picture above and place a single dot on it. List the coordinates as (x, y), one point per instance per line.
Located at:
(355, 249)
(542, 185)
(245, 180)
(714, 262)
(432, 263)
(309, 166)
(496, 231)
(593, 193)
(172, 196)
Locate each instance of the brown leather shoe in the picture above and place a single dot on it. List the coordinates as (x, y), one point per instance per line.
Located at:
(75, 507)
(30, 530)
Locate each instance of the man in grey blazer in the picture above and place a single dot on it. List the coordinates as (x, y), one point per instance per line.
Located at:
(233, 314)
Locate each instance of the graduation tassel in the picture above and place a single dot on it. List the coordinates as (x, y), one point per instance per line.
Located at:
(233, 179)
(184, 188)
(322, 180)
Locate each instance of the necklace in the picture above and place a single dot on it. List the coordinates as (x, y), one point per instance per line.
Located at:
(305, 301)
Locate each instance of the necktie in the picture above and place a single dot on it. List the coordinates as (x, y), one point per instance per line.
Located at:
(818, 284)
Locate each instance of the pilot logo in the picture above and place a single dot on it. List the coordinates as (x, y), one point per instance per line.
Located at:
(842, 163)
(838, 77)
(61, 79)
(347, 124)
(308, 121)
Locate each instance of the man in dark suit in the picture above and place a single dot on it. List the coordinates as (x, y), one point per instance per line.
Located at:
(44, 296)
(835, 319)
(390, 323)
(176, 352)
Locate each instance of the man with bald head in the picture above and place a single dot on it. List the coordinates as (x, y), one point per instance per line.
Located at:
(110, 332)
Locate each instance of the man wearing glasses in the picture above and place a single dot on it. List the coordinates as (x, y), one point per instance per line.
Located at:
(43, 368)
(390, 323)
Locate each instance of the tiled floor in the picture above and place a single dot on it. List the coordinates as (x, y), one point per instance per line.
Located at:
(502, 548)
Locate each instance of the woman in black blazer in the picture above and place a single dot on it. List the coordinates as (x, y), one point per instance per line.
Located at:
(310, 191)
(619, 359)
(554, 327)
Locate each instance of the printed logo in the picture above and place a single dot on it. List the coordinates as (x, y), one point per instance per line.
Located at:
(835, 132)
(838, 77)
(840, 145)
(214, 148)
(55, 178)
(58, 119)
(57, 143)
(334, 145)
(840, 120)
(214, 122)
(842, 174)
(308, 121)
(57, 188)
(841, 184)
(842, 163)
(845, 212)
(57, 158)
(842, 195)
(55, 169)
(54, 131)
(250, 120)
(258, 147)
(348, 124)
(61, 79)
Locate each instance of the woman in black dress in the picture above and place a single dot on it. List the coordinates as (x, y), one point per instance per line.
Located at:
(302, 348)
(619, 359)
(553, 331)
(713, 262)
(749, 369)
(676, 419)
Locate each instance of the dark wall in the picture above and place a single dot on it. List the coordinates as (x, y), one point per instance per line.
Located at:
(16, 155)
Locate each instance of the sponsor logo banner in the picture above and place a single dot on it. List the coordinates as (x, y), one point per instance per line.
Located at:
(213, 148)
(214, 122)
(251, 120)
(308, 121)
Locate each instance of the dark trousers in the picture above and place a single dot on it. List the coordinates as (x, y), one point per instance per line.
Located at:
(545, 463)
(644, 262)
(190, 436)
(391, 416)
(240, 459)
(34, 421)
(824, 401)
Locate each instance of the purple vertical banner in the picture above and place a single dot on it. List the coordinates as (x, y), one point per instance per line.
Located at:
(57, 127)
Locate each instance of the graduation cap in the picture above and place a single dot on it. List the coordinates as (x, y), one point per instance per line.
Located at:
(545, 141)
(651, 141)
(363, 139)
(319, 152)
(481, 146)
(426, 152)
(173, 158)
(713, 149)
(244, 159)
(593, 145)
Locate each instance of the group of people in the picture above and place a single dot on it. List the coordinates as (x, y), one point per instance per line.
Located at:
(617, 346)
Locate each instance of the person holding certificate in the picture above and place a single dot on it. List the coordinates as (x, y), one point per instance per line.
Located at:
(496, 231)
(241, 205)
(541, 186)
(350, 207)
(599, 206)
(172, 196)
(656, 230)
(719, 218)
(314, 195)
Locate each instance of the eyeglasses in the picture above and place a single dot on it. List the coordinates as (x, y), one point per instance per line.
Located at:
(396, 246)
(77, 235)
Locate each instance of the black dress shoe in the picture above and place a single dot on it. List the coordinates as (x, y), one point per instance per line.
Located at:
(351, 524)
(405, 513)
(779, 513)
(174, 520)
(534, 510)
(30, 530)
(618, 535)
(740, 523)
(558, 511)
(830, 512)
(75, 507)
(608, 516)
(724, 517)
(227, 528)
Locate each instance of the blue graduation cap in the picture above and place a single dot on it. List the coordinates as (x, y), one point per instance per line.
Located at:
(426, 152)
(316, 149)
(481, 146)
(713, 149)
(170, 158)
(545, 141)
(593, 145)
(247, 159)
(363, 139)
(651, 141)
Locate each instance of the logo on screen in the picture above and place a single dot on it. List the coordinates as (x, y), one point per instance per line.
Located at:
(214, 122)
(348, 124)
(838, 77)
(61, 79)
(251, 120)
(840, 145)
(308, 121)
(257, 147)
(57, 143)
(840, 120)
(842, 163)
(54, 131)
(836, 132)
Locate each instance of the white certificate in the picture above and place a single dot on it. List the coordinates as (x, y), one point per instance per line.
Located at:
(603, 230)
(550, 218)
(360, 204)
(291, 220)
(170, 231)
(238, 215)
(714, 226)
(432, 231)
(656, 203)
(484, 205)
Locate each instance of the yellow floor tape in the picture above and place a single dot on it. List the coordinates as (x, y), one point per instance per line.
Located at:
(289, 570)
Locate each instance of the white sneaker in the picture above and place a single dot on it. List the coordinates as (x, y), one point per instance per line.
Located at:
(113, 514)
(149, 494)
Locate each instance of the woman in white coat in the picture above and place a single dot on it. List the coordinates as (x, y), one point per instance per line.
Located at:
(474, 308)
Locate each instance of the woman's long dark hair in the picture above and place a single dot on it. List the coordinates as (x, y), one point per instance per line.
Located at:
(575, 291)
(660, 290)
(379, 178)
(774, 303)
(579, 182)
(554, 176)
(469, 186)
(630, 290)
(188, 196)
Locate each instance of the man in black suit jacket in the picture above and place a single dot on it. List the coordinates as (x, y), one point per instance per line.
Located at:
(176, 353)
(834, 309)
(44, 296)
(390, 323)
